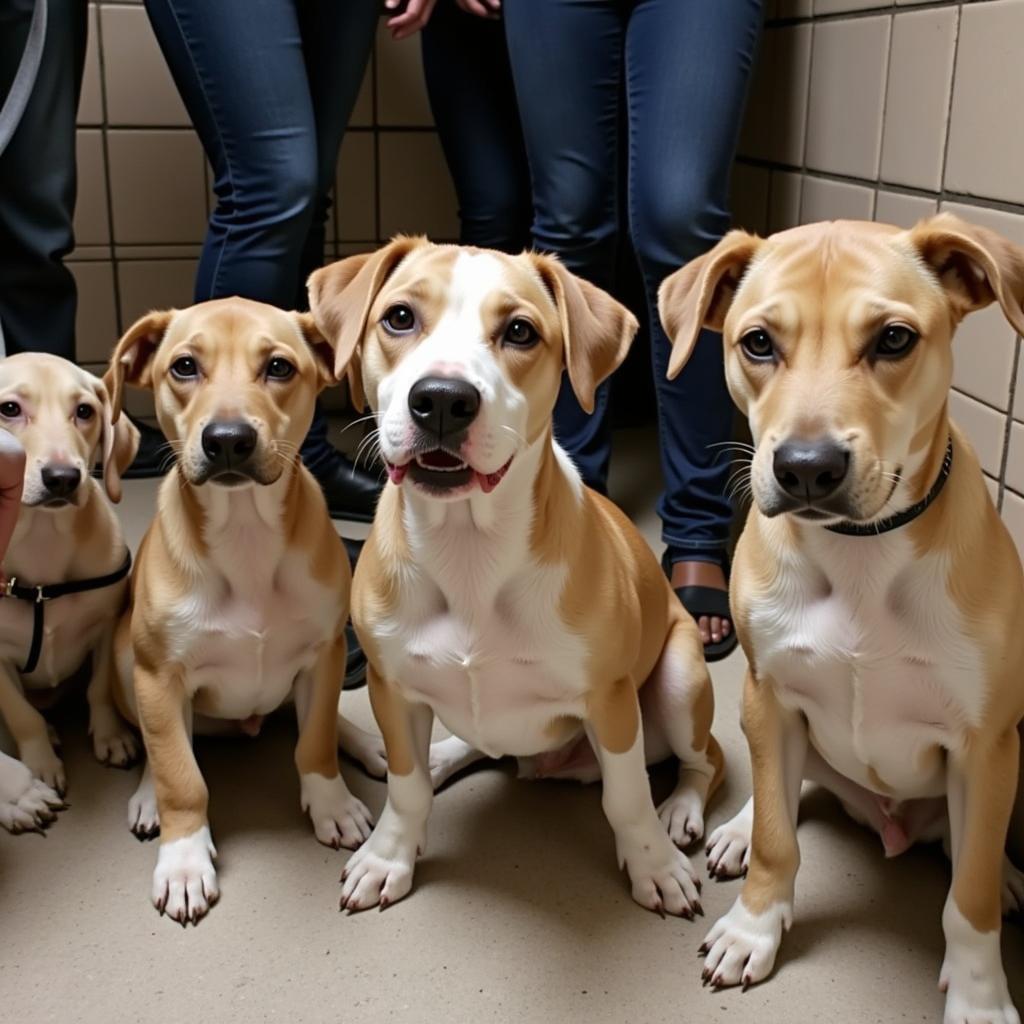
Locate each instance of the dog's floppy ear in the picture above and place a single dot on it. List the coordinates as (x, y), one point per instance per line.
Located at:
(119, 443)
(132, 360)
(340, 297)
(596, 330)
(700, 293)
(319, 347)
(975, 266)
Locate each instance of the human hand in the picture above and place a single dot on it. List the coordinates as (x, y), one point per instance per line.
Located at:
(12, 477)
(409, 17)
(481, 8)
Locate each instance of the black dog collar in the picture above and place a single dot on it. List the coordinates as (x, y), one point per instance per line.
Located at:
(41, 594)
(895, 521)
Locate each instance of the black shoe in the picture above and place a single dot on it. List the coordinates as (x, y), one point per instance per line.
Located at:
(355, 665)
(153, 457)
(351, 492)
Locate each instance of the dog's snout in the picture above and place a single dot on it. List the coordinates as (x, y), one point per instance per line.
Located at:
(810, 470)
(59, 480)
(228, 444)
(443, 406)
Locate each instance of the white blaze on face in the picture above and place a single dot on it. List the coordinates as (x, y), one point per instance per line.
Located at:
(460, 346)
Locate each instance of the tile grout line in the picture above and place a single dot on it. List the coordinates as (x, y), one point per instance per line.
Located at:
(952, 94)
(1008, 425)
(881, 125)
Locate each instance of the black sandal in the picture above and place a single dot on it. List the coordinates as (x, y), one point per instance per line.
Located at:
(710, 601)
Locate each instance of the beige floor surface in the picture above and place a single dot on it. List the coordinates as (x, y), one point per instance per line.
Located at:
(518, 913)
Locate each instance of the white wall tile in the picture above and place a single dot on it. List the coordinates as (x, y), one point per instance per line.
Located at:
(902, 210)
(834, 200)
(984, 428)
(917, 97)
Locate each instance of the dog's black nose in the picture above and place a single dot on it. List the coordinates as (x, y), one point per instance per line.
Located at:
(228, 443)
(443, 406)
(61, 481)
(810, 470)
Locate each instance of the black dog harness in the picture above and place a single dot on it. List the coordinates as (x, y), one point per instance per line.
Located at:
(894, 522)
(39, 595)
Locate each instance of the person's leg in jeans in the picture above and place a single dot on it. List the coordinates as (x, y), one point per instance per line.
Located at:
(336, 43)
(241, 68)
(469, 83)
(566, 58)
(37, 182)
(687, 67)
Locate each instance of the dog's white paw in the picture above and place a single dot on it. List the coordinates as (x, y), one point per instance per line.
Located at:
(728, 848)
(42, 761)
(740, 949)
(339, 819)
(185, 881)
(380, 872)
(682, 814)
(661, 875)
(143, 815)
(113, 742)
(972, 974)
(450, 756)
(365, 747)
(26, 803)
(1013, 889)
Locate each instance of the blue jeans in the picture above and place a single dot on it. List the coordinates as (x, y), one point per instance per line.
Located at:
(270, 86)
(472, 98)
(683, 66)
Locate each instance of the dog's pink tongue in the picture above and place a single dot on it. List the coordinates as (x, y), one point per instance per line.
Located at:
(251, 725)
(396, 474)
(488, 481)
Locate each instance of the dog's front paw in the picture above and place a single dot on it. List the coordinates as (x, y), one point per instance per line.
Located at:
(728, 847)
(113, 742)
(661, 875)
(42, 761)
(185, 880)
(976, 997)
(143, 815)
(682, 814)
(339, 819)
(365, 747)
(740, 949)
(380, 872)
(26, 803)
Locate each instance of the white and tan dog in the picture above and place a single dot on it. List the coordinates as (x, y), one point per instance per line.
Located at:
(495, 591)
(877, 594)
(67, 532)
(241, 588)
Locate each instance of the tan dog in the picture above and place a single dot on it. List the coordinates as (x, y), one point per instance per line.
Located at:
(67, 533)
(495, 591)
(240, 593)
(877, 594)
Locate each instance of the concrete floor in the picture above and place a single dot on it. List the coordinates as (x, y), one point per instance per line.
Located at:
(518, 912)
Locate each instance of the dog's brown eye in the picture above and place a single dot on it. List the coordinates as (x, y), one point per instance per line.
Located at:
(520, 333)
(185, 368)
(279, 369)
(399, 319)
(10, 410)
(895, 341)
(757, 345)
(84, 412)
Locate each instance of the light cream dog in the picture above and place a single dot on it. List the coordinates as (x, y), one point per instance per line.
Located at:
(66, 532)
(241, 588)
(495, 591)
(885, 638)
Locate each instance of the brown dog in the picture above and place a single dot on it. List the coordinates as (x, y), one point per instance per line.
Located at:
(877, 594)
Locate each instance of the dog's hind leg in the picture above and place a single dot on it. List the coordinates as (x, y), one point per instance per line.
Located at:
(113, 742)
(678, 705)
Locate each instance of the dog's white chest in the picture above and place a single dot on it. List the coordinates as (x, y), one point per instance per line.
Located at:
(244, 636)
(488, 651)
(875, 655)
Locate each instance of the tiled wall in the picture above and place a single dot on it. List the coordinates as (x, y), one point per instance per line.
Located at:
(890, 111)
(144, 186)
